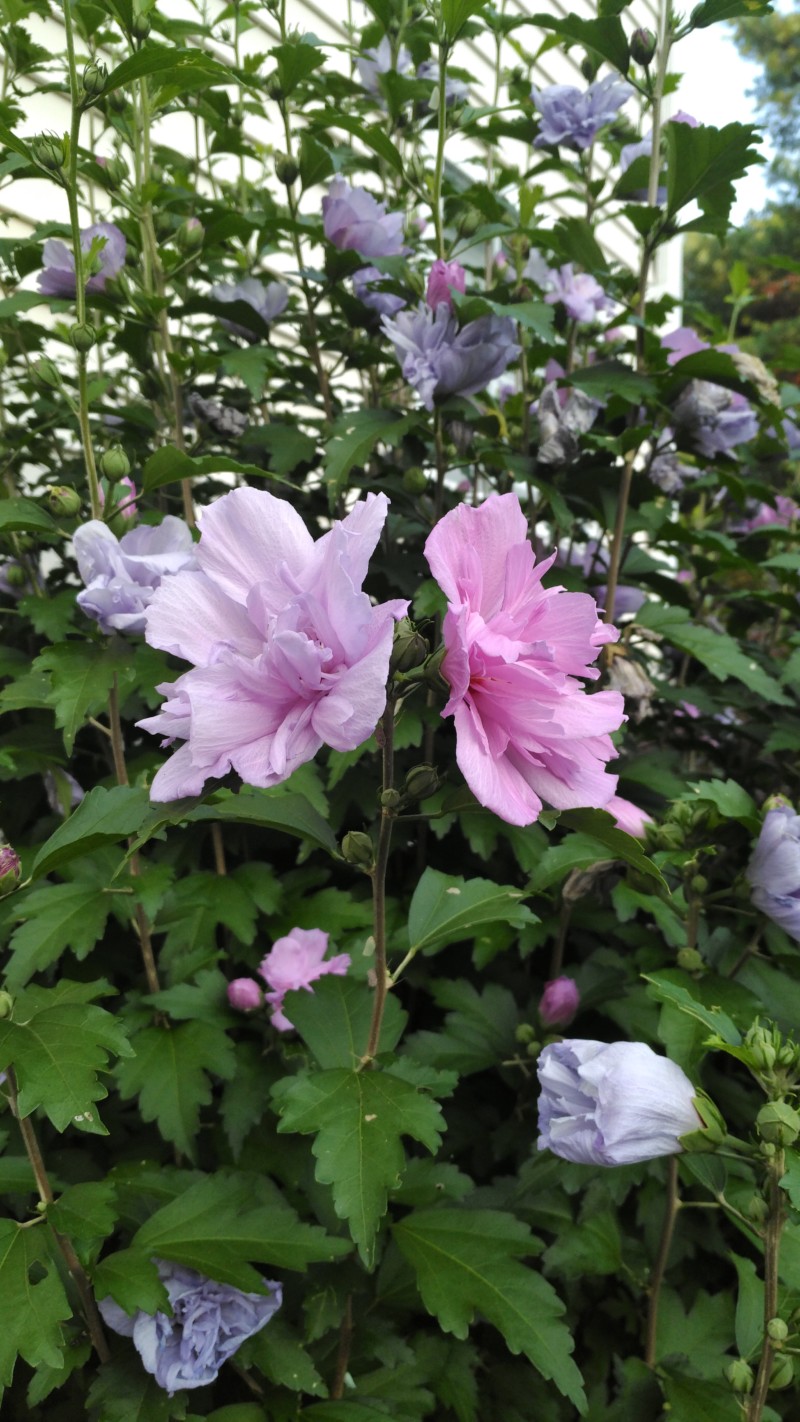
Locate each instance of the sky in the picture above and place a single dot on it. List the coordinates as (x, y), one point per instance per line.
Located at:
(714, 89)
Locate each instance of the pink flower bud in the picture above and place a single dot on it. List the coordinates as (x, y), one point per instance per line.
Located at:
(444, 278)
(245, 995)
(10, 871)
(560, 1001)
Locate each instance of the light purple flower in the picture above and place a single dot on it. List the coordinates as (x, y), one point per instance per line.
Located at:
(57, 277)
(374, 62)
(559, 1002)
(289, 654)
(353, 220)
(785, 513)
(245, 995)
(713, 419)
(438, 359)
(582, 296)
(122, 574)
(682, 117)
(455, 90)
(564, 414)
(10, 869)
(267, 301)
(574, 116)
(774, 869)
(294, 962)
(125, 496)
(612, 1103)
(385, 303)
(443, 279)
(209, 1322)
(683, 341)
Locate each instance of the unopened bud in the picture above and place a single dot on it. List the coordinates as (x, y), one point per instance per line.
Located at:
(778, 1123)
(245, 995)
(559, 1002)
(714, 1129)
(782, 1374)
(777, 1330)
(140, 27)
(117, 101)
(82, 336)
(533, 1049)
(10, 870)
(740, 1375)
(762, 1048)
(116, 171)
(6, 1004)
(409, 648)
(358, 849)
(643, 46)
(415, 481)
(422, 781)
(777, 802)
(190, 235)
(756, 1208)
(94, 79)
(114, 463)
(589, 68)
(787, 1054)
(15, 575)
(286, 170)
(525, 1033)
(49, 151)
(699, 884)
(690, 960)
(63, 500)
(390, 799)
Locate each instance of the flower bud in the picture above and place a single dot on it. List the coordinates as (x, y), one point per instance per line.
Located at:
(62, 500)
(49, 151)
(525, 1033)
(15, 575)
(777, 802)
(190, 235)
(643, 46)
(690, 960)
(114, 463)
(82, 336)
(390, 799)
(559, 1002)
(286, 170)
(782, 1372)
(756, 1208)
(245, 995)
(117, 101)
(740, 1375)
(788, 1054)
(140, 27)
(777, 1330)
(533, 1049)
(699, 884)
(778, 1123)
(589, 68)
(415, 481)
(94, 79)
(762, 1047)
(10, 870)
(714, 1129)
(421, 781)
(358, 849)
(409, 649)
(274, 88)
(6, 1004)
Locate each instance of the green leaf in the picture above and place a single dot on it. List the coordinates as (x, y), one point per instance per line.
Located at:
(478, 1031)
(334, 1020)
(669, 986)
(358, 1119)
(593, 1246)
(296, 62)
(315, 162)
(82, 675)
(172, 64)
(749, 1306)
(276, 810)
(372, 135)
(702, 164)
(605, 36)
(11, 306)
(103, 817)
(354, 437)
(54, 917)
(169, 465)
(600, 825)
(466, 1262)
(214, 1227)
(57, 1055)
(455, 14)
(169, 1073)
(20, 515)
(447, 909)
(132, 1281)
(287, 446)
(733, 802)
(86, 1212)
(693, 1400)
(279, 1354)
(716, 651)
(712, 11)
(31, 1313)
(123, 1392)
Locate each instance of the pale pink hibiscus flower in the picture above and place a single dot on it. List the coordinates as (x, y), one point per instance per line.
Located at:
(295, 962)
(526, 729)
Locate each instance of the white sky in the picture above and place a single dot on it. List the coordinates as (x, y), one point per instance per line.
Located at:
(714, 89)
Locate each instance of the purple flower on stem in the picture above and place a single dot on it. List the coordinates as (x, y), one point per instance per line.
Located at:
(574, 116)
(526, 731)
(612, 1103)
(438, 359)
(289, 654)
(445, 278)
(582, 296)
(267, 301)
(122, 574)
(784, 513)
(245, 995)
(385, 303)
(295, 962)
(714, 420)
(455, 90)
(380, 60)
(774, 869)
(57, 277)
(353, 220)
(209, 1322)
(559, 1002)
(10, 870)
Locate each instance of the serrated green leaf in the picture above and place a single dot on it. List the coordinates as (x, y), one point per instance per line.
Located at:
(171, 64)
(749, 1306)
(334, 1021)
(477, 1033)
(169, 1073)
(87, 1211)
(81, 677)
(467, 1261)
(283, 810)
(31, 1313)
(354, 437)
(131, 1279)
(702, 164)
(602, 828)
(21, 515)
(694, 1400)
(358, 1119)
(102, 817)
(57, 1055)
(455, 14)
(716, 651)
(729, 798)
(605, 36)
(279, 1354)
(169, 465)
(669, 986)
(123, 1392)
(447, 909)
(54, 917)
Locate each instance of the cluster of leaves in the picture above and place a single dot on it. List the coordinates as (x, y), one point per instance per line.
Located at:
(433, 1263)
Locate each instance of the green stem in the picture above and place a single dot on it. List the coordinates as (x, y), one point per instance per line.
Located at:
(660, 1267)
(121, 771)
(441, 138)
(378, 876)
(772, 1244)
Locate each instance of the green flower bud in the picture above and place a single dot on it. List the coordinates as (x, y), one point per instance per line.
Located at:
(422, 781)
(16, 577)
(714, 1128)
(740, 1375)
(409, 649)
(10, 870)
(6, 1004)
(525, 1033)
(757, 1209)
(788, 1054)
(45, 374)
(669, 836)
(470, 222)
(82, 336)
(390, 799)
(778, 1123)
(533, 1049)
(141, 26)
(63, 500)
(415, 481)
(116, 171)
(114, 463)
(589, 68)
(358, 849)
(286, 170)
(190, 235)
(777, 802)
(761, 1045)
(643, 46)
(777, 1330)
(117, 101)
(782, 1374)
(690, 960)
(699, 884)
(50, 152)
(94, 79)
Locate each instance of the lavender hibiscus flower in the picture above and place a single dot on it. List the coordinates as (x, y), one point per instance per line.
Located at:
(380, 60)
(267, 301)
(774, 869)
(438, 359)
(122, 574)
(574, 116)
(353, 220)
(57, 277)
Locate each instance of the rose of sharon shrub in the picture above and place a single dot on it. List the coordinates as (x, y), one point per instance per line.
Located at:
(289, 654)
(526, 729)
(612, 1103)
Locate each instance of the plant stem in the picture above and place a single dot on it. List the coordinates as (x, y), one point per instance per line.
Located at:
(379, 887)
(121, 772)
(343, 1352)
(441, 138)
(772, 1244)
(660, 1266)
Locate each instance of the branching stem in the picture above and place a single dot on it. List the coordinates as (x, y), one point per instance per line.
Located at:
(660, 1267)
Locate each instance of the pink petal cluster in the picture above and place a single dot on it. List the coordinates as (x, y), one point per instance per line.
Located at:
(526, 730)
(445, 278)
(628, 817)
(289, 653)
(295, 962)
